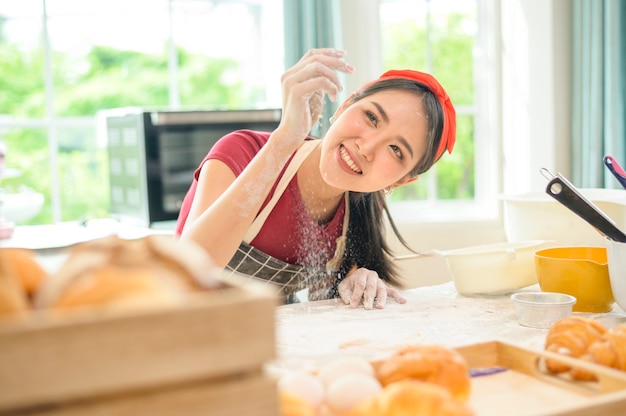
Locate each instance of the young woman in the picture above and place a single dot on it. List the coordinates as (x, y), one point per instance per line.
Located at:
(308, 213)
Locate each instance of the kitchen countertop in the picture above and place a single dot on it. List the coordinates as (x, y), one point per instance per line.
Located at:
(311, 333)
(62, 235)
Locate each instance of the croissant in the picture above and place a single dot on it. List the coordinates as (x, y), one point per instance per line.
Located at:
(572, 336)
(610, 349)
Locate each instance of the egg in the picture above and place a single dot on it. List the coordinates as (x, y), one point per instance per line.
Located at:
(303, 385)
(347, 391)
(342, 366)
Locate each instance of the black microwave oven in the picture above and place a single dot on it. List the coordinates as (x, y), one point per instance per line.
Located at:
(152, 156)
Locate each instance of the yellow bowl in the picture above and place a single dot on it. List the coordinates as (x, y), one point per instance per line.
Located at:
(581, 272)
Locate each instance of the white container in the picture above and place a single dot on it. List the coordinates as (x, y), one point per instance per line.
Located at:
(542, 309)
(493, 269)
(538, 216)
(22, 206)
(616, 255)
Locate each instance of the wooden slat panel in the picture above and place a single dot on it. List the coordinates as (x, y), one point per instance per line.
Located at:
(249, 394)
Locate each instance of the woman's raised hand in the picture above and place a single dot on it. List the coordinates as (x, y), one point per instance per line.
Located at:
(304, 86)
(364, 285)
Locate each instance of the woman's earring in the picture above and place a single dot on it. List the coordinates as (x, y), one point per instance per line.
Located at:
(388, 191)
(332, 119)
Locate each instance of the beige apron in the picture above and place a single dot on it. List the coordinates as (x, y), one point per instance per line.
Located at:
(289, 278)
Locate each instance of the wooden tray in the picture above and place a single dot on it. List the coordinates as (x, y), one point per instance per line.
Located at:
(46, 360)
(525, 388)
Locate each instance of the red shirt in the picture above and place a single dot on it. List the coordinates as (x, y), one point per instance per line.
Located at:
(289, 233)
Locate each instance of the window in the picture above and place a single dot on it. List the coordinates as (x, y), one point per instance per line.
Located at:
(96, 55)
(88, 56)
(447, 38)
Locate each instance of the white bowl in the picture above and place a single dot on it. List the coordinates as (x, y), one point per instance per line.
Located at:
(538, 216)
(542, 309)
(20, 207)
(616, 255)
(493, 269)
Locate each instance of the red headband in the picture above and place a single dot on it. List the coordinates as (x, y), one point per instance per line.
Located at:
(448, 135)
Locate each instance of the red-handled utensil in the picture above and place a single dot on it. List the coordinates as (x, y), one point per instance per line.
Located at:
(616, 169)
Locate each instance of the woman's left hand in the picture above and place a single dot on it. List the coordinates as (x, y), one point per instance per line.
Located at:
(365, 285)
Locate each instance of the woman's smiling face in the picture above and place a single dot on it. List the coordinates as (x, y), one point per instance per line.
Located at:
(375, 142)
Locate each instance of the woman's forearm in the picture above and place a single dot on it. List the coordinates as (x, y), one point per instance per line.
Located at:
(219, 222)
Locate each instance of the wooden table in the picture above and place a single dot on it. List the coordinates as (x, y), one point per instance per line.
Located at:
(313, 332)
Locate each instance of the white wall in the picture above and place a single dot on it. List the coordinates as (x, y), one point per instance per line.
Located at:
(361, 41)
(533, 53)
(536, 56)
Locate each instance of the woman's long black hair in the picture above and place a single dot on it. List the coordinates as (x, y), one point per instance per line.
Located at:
(366, 244)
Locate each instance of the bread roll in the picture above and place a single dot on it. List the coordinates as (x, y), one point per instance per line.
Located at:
(20, 276)
(13, 298)
(410, 398)
(150, 271)
(431, 363)
(291, 405)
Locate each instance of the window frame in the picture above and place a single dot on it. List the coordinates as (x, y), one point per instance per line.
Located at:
(485, 111)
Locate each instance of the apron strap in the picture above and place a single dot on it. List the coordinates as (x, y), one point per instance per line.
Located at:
(335, 262)
(301, 154)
